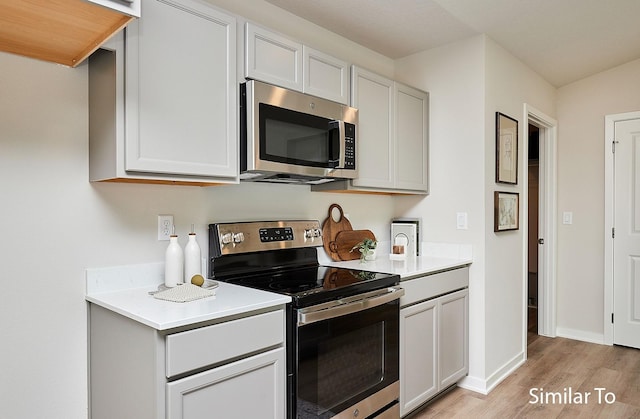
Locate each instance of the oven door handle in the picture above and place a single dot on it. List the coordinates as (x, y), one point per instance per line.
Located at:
(348, 305)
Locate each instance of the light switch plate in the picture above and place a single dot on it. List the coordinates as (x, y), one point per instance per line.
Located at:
(462, 221)
(567, 217)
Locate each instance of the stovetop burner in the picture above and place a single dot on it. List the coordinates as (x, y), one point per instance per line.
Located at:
(281, 257)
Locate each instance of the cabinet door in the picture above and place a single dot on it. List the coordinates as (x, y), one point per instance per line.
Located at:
(249, 388)
(181, 91)
(325, 76)
(373, 96)
(453, 339)
(418, 354)
(412, 138)
(272, 58)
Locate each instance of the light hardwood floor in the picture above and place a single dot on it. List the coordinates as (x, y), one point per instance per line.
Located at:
(554, 365)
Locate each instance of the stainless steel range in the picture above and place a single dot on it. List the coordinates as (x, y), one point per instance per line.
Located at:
(342, 324)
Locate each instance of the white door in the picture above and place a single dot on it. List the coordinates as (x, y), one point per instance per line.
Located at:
(626, 243)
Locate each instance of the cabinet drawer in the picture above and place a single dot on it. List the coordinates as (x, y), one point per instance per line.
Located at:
(430, 286)
(210, 345)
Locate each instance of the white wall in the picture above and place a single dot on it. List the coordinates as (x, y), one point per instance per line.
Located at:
(310, 34)
(509, 85)
(57, 224)
(582, 107)
(454, 77)
(468, 82)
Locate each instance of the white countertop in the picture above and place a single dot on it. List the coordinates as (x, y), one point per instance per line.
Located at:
(125, 290)
(407, 268)
(436, 257)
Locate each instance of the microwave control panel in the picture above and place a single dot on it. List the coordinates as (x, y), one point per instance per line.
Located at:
(350, 146)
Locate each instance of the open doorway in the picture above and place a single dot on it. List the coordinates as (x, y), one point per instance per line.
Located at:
(541, 237)
(533, 236)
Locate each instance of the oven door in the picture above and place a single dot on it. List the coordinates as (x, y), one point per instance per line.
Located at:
(348, 356)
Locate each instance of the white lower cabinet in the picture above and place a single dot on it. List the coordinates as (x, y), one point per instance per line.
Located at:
(434, 336)
(227, 368)
(250, 388)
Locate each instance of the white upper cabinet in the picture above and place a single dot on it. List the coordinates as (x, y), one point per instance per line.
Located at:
(179, 122)
(412, 142)
(325, 76)
(393, 136)
(273, 58)
(373, 96)
(180, 91)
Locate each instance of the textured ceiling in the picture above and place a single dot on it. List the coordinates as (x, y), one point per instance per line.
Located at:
(562, 40)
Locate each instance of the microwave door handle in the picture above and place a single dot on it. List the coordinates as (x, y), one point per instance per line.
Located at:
(343, 145)
(350, 305)
(342, 157)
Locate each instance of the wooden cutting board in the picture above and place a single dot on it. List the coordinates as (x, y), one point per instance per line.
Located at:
(347, 239)
(331, 228)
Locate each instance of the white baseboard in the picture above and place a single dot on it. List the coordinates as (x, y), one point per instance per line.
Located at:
(580, 335)
(484, 386)
(474, 384)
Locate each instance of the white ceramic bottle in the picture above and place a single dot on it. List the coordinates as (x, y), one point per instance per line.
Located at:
(173, 263)
(191, 258)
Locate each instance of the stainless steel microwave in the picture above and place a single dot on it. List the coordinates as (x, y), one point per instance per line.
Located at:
(291, 137)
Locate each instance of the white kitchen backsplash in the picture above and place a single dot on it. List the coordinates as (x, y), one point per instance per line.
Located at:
(427, 249)
(446, 250)
(118, 278)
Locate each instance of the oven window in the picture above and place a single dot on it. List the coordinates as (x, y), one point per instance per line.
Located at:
(342, 361)
(293, 137)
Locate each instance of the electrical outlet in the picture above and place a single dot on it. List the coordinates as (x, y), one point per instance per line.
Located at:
(165, 226)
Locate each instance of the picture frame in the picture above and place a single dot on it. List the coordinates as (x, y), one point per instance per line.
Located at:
(506, 211)
(506, 149)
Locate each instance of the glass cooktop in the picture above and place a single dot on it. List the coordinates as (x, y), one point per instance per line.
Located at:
(313, 285)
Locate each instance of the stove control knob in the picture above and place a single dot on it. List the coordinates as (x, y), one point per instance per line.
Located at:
(238, 237)
(226, 238)
(312, 233)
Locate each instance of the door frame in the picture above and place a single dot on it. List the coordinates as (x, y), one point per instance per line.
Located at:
(609, 201)
(547, 225)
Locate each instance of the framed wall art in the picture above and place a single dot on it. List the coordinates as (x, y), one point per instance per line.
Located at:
(506, 149)
(506, 211)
